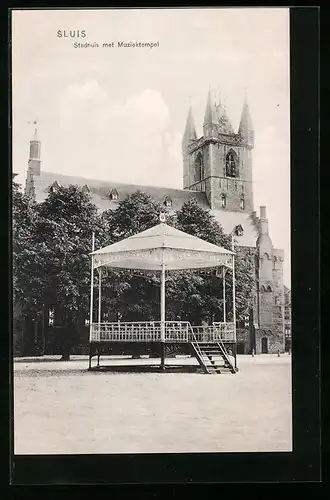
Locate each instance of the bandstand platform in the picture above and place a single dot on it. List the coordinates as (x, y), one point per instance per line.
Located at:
(163, 250)
(213, 346)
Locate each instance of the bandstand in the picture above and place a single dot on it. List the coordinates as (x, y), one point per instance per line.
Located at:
(163, 250)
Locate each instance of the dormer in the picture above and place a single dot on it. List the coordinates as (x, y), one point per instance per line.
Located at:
(113, 195)
(238, 231)
(168, 202)
(53, 187)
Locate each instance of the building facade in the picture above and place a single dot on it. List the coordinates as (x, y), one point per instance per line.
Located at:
(287, 319)
(218, 174)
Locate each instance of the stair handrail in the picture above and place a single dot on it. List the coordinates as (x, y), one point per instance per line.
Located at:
(223, 349)
(196, 345)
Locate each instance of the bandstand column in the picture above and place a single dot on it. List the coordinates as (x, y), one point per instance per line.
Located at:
(100, 289)
(224, 293)
(162, 316)
(234, 309)
(92, 290)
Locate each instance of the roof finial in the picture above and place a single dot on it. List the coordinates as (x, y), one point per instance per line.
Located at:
(162, 217)
(245, 93)
(35, 135)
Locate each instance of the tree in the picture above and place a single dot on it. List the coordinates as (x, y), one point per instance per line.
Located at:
(207, 296)
(27, 281)
(52, 245)
(26, 286)
(134, 214)
(66, 221)
(194, 220)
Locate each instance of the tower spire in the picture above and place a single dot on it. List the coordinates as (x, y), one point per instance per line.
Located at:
(35, 150)
(209, 117)
(245, 129)
(190, 129)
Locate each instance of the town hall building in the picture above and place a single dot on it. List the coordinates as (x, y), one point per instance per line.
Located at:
(217, 173)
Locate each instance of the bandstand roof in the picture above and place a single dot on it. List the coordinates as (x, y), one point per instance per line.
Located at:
(162, 244)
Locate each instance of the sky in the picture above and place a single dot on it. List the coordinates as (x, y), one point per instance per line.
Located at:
(119, 114)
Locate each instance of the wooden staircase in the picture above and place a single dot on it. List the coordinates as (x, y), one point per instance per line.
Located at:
(213, 357)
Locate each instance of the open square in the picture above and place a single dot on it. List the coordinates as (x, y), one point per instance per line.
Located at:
(61, 408)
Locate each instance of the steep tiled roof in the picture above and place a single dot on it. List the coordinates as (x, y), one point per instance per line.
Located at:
(99, 191)
(228, 221)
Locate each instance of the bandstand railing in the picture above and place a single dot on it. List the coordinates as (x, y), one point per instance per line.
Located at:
(150, 331)
(224, 332)
(227, 331)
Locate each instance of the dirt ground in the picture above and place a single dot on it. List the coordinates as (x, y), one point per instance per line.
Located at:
(61, 408)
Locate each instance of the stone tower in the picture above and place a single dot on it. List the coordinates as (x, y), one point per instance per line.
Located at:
(34, 165)
(270, 337)
(220, 162)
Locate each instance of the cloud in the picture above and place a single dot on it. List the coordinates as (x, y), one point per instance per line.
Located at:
(88, 90)
(131, 141)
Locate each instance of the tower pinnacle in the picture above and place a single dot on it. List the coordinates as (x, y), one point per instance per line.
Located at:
(245, 129)
(210, 116)
(190, 130)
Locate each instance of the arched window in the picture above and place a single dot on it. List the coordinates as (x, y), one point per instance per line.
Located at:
(242, 203)
(223, 201)
(199, 168)
(232, 164)
(269, 289)
(262, 288)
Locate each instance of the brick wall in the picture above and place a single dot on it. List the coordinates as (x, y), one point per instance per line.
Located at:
(278, 307)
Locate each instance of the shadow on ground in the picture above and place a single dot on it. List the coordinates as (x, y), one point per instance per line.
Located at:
(68, 370)
(147, 369)
(58, 359)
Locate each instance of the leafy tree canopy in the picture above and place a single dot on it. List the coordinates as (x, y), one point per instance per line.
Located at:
(52, 243)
